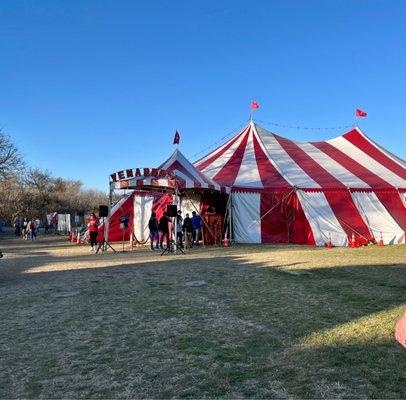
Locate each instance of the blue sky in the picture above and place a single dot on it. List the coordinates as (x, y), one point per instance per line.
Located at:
(92, 87)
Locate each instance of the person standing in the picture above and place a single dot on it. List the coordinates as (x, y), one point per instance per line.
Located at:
(37, 225)
(24, 228)
(32, 229)
(163, 227)
(153, 231)
(179, 229)
(17, 226)
(188, 230)
(197, 226)
(93, 226)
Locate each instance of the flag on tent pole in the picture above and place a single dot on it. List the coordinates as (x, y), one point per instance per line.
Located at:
(254, 105)
(176, 138)
(360, 114)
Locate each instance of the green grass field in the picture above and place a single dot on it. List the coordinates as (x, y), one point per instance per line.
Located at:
(270, 322)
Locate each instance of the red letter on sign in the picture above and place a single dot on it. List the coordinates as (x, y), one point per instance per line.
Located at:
(129, 173)
(146, 171)
(121, 175)
(113, 177)
(154, 172)
(137, 172)
(162, 173)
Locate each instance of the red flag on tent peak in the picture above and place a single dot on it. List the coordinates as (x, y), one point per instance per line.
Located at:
(254, 105)
(360, 113)
(176, 138)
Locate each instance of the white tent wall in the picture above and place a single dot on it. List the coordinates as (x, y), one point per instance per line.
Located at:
(187, 202)
(322, 219)
(142, 213)
(246, 217)
(377, 218)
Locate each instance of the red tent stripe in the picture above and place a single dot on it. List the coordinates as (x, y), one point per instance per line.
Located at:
(348, 215)
(394, 205)
(359, 140)
(307, 164)
(270, 176)
(218, 154)
(228, 174)
(351, 165)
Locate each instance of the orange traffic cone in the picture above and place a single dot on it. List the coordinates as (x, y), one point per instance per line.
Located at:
(352, 241)
(329, 244)
(78, 239)
(380, 243)
(226, 242)
(69, 236)
(73, 237)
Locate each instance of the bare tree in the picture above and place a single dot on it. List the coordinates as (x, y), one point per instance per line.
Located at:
(10, 158)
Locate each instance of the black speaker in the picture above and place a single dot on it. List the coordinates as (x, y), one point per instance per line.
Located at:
(103, 211)
(172, 210)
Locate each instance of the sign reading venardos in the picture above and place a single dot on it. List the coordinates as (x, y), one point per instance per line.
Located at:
(144, 172)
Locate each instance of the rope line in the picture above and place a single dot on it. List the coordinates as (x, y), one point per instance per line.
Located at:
(308, 128)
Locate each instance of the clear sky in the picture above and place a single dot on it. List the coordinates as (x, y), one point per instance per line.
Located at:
(91, 87)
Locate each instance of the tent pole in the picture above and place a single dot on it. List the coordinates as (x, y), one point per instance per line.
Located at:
(231, 218)
(107, 222)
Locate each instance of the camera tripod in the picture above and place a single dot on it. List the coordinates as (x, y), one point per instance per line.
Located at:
(170, 248)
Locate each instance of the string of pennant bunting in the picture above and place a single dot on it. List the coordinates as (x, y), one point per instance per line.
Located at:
(254, 105)
(327, 128)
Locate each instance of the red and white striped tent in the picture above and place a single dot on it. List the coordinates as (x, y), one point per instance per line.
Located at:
(285, 191)
(183, 175)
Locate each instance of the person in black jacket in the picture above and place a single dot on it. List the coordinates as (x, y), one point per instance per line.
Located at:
(163, 227)
(188, 229)
(153, 231)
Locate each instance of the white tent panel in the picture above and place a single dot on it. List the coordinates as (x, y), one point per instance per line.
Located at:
(142, 213)
(246, 217)
(377, 218)
(190, 203)
(248, 175)
(322, 219)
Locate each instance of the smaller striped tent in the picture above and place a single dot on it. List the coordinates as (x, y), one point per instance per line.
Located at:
(183, 176)
(285, 191)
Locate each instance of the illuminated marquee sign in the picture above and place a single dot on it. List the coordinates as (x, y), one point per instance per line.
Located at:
(140, 172)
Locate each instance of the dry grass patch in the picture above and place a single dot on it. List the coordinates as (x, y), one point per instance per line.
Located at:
(127, 325)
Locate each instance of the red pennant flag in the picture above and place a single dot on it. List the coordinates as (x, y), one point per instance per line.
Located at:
(360, 113)
(254, 105)
(176, 138)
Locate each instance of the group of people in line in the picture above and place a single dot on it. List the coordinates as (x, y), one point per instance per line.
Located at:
(188, 229)
(26, 228)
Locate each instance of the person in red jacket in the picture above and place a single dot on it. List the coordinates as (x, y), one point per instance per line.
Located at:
(93, 226)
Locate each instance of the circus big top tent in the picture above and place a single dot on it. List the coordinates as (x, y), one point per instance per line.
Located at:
(285, 191)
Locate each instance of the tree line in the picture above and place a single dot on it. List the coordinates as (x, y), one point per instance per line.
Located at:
(33, 192)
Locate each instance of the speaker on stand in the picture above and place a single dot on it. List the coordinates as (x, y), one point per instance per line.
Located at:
(104, 213)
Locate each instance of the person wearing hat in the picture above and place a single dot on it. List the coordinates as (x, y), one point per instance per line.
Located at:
(179, 229)
(93, 226)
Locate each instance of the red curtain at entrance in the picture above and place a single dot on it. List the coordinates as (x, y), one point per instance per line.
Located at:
(283, 219)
